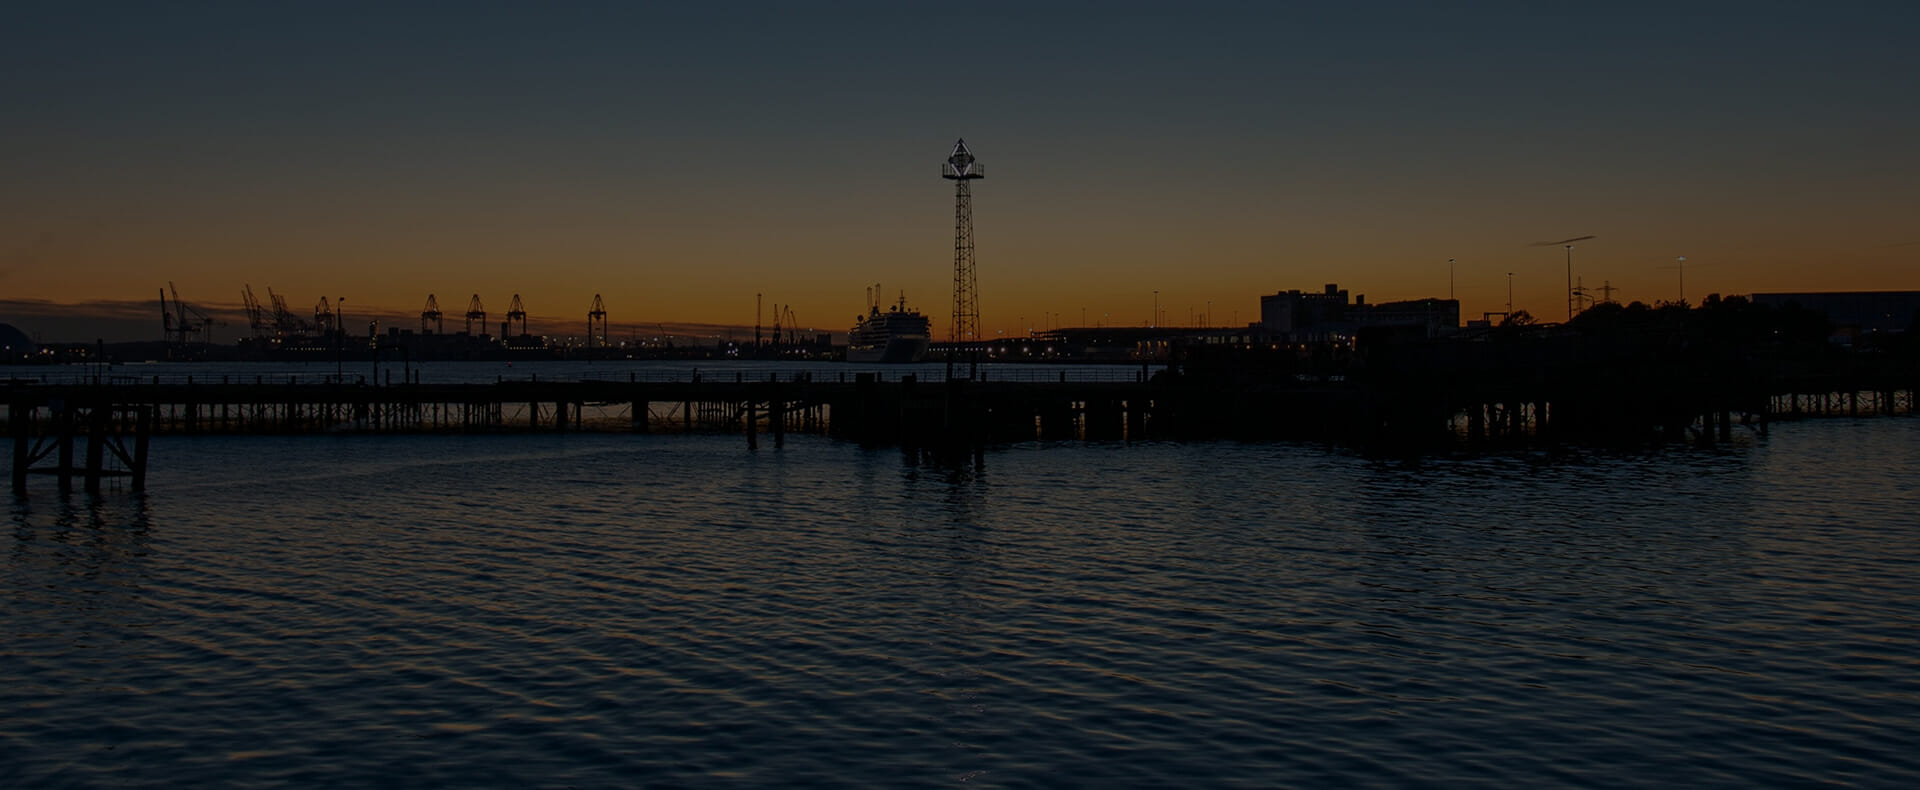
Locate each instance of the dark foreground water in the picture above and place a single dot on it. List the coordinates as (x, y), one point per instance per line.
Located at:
(612, 611)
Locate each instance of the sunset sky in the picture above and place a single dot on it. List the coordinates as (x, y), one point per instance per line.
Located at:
(680, 159)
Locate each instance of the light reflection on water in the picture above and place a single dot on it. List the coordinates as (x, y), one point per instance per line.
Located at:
(612, 610)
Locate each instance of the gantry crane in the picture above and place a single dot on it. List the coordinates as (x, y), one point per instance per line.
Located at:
(285, 323)
(323, 317)
(776, 325)
(597, 319)
(476, 312)
(431, 313)
(515, 312)
(256, 315)
(184, 321)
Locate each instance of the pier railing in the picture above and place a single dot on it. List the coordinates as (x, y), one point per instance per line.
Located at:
(1023, 374)
(96, 427)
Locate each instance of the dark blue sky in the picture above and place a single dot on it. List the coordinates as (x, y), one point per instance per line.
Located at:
(1214, 151)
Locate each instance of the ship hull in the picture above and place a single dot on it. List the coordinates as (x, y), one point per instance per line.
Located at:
(896, 350)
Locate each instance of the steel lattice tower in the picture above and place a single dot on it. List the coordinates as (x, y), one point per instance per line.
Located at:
(962, 168)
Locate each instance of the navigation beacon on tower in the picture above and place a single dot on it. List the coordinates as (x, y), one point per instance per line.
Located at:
(961, 168)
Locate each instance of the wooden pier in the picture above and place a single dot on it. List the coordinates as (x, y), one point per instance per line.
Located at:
(112, 422)
(114, 437)
(101, 430)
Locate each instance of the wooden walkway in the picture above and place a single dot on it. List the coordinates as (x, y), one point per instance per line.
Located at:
(101, 430)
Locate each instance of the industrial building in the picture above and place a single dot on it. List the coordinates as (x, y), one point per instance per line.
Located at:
(1328, 315)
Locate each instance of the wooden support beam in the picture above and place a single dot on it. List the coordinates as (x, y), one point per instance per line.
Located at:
(63, 421)
(97, 418)
(777, 415)
(142, 428)
(20, 424)
(753, 432)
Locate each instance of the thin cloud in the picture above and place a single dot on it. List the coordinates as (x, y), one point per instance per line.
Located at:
(1560, 242)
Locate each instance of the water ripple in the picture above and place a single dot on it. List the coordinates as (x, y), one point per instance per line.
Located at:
(610, 611)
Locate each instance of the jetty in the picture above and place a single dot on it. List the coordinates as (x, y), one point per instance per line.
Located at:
(1418, 397)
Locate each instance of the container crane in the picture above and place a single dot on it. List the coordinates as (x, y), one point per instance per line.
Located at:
(476, 312)
(257, 320)
(285, 323)
(184, 321)
(515, 312)
(597, 315)
(431, 313)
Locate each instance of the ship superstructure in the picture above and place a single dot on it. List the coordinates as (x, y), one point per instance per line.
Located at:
(896, 334)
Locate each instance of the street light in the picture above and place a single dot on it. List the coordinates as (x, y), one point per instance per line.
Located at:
(1509, 296)
(1449, 278)
(339, 338)
(1154, 320)
(1569, 282)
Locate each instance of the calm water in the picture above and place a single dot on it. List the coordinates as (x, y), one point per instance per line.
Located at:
(612, 611)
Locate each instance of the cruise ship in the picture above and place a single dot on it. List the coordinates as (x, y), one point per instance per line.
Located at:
(898, 334)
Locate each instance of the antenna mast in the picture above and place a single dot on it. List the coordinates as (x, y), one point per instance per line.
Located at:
(961, 168)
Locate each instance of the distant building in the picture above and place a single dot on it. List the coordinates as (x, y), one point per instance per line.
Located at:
(1437, 316)
(1304, 316)
(1309, 317)
(1864, 311)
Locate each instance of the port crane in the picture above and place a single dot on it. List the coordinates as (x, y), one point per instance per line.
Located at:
(597, 315)
(431, 314)
(257, 319)
(285, 323)
(776, 324)
(323, 316)
(515, 312)
(184, 323)
(475, 311)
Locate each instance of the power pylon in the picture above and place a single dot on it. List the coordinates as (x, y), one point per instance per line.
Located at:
(961, 168)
